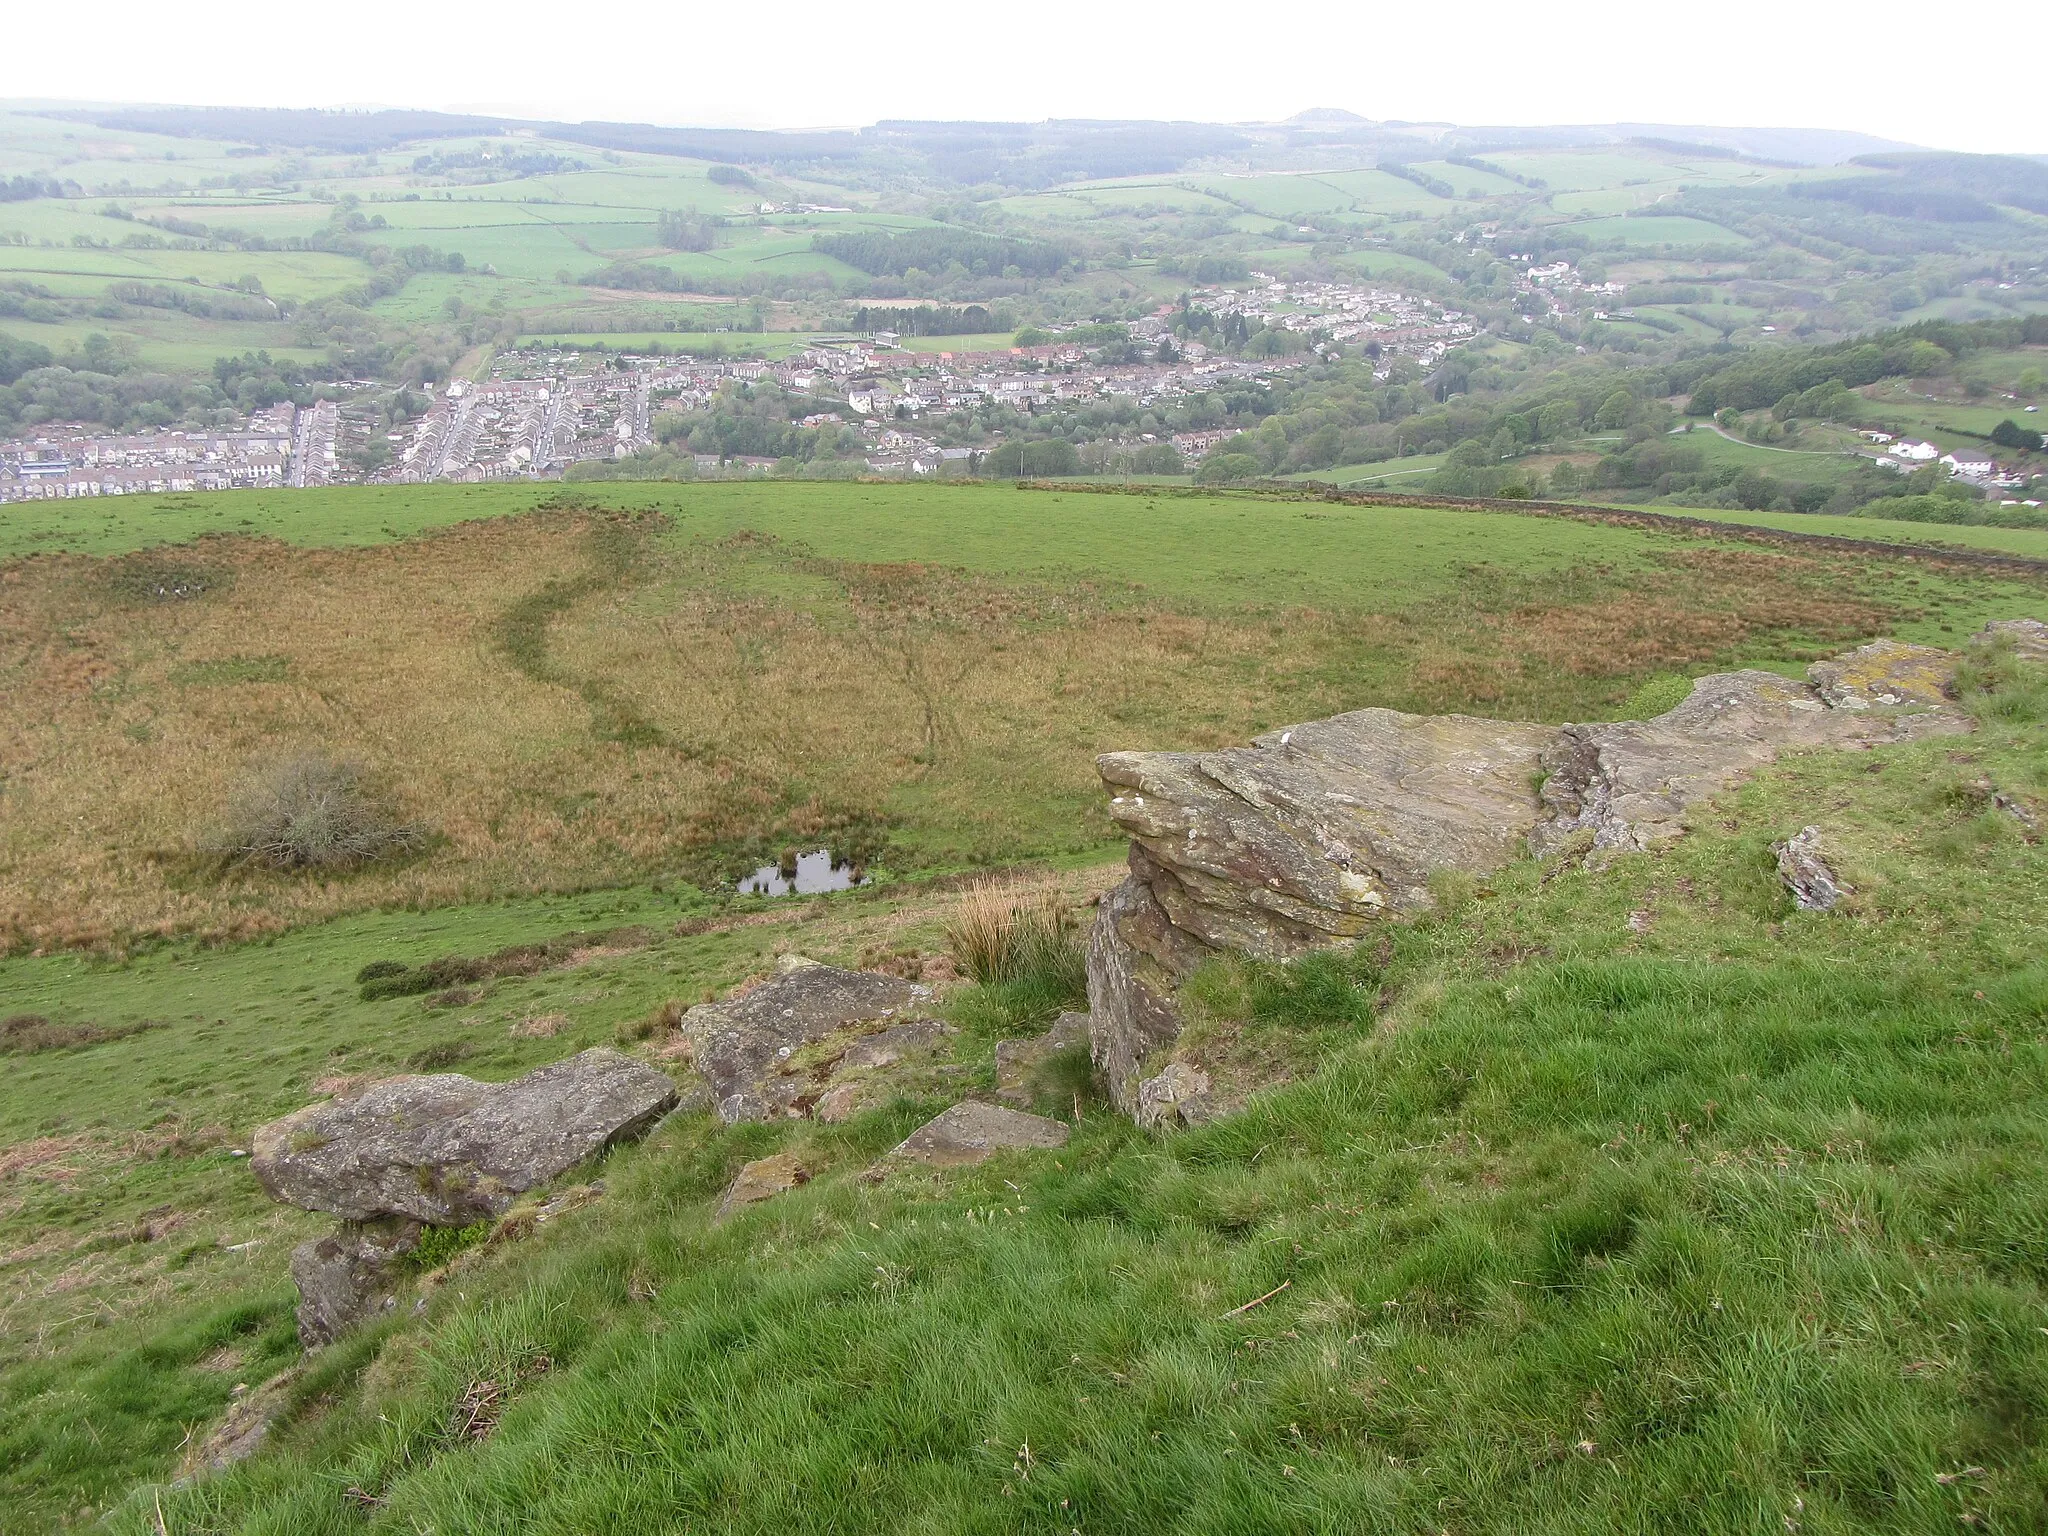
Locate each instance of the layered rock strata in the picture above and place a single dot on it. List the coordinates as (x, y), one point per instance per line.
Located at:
(1312, 834)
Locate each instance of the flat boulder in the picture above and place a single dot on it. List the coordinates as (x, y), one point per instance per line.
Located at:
(449, 1150)
(972, 1132)
(742, 1043)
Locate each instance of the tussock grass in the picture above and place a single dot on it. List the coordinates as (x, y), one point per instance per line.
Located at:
(1006, 929)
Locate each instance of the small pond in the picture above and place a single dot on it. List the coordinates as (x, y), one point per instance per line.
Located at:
(812, 874)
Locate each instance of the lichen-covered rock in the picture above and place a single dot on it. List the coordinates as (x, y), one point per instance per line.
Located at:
(1629, 783)
(740, 1043)
(972, 1132)
(1885, 673)
(448, 1150)
(349, 1275)
(1815, 887)
(763, 1179)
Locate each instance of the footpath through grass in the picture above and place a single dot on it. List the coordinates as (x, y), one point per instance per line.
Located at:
(1620, 1201)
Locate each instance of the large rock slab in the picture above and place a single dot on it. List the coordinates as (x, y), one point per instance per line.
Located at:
(448, 1150)
(350, 1275)
(972, 1132)
(1629, 783)
(740, 1043)
(1311, 835)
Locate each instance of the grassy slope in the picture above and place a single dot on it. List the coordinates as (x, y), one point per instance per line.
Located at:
(1619, 1201)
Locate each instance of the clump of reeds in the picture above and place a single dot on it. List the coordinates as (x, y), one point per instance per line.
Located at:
(1009, 930)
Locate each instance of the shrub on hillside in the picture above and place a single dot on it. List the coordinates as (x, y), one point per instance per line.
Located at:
(311, 811)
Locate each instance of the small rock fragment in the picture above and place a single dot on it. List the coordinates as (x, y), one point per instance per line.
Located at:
(838, 1103)
(243, 1428)
(970, 1132)
(1180, 1093)
(1814, 886)
(763, 1179)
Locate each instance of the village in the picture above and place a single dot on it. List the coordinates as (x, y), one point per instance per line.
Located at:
(542, 410)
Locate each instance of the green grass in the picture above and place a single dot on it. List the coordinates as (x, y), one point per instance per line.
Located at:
(2032, 542)
(1726, 1219)
(1667, 229)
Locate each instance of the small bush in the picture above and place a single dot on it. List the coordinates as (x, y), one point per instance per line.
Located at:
(309, 812)
(378, 970)
(443, 1053)
(24, 1034)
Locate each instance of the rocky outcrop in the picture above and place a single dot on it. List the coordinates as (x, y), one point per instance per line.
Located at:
(1313, 834)
(448, 1150)
(973, 1132)
(439, 1150)
(1626, 785)
(745, 1045)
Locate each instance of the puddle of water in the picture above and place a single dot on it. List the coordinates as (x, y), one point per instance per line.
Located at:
(816, 873)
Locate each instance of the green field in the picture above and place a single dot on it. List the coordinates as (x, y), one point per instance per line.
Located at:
(1656, 230)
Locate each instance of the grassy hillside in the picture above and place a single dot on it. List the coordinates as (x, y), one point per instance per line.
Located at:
(1621, 1201)
(674, 682)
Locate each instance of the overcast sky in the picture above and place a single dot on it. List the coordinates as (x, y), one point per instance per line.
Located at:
(1879, 66)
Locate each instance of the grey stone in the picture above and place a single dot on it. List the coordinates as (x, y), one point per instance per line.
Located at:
(740, 1043)
(971, 1132)
(243, 1429)
(2028, 637)
(1180, 1094)
(886, 1048)
(1016, 1060)
(349, 1275)
(448, 1150)
(1814, 886)
(1630, 782)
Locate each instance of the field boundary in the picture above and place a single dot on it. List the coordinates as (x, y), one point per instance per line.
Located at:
(1617, 517)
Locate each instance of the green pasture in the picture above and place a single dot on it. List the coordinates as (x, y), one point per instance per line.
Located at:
(171, 342)
(2031, 542)
(1657, 229)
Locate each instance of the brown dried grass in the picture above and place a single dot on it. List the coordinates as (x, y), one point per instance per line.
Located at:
(704, 702)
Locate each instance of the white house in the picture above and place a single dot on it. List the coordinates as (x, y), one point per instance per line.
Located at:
(1919, 453)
